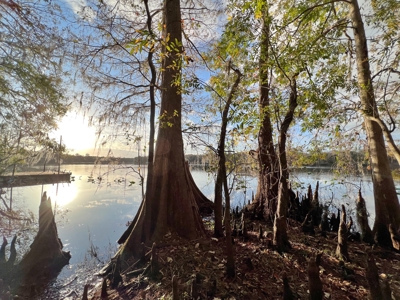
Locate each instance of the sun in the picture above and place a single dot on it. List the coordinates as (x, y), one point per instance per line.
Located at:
(76, 134)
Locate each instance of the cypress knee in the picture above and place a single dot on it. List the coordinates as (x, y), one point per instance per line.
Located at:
(314, 282)
(3, 250)
(104, 289)
(341, 250)
(362, 220)
(116, 274)
(386, 290)
(194, 289)
(175, 293)
(13, 252)
(394, 236)
(260, 233)
(287, 291)
(373, 278)
(85, 292)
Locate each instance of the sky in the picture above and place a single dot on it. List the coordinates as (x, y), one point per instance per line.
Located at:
(80, 138)
(76, 134)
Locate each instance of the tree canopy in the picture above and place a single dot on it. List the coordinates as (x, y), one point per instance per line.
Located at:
(31, 90)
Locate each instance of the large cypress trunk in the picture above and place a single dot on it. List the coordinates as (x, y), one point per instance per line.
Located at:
(170, 204)
(387, 209)
(265, 200)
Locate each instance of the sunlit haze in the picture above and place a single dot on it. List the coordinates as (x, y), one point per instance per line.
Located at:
(76, 134)
(62, 194)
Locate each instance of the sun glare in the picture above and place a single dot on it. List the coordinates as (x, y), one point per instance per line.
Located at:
(76, 134)
(65, 194)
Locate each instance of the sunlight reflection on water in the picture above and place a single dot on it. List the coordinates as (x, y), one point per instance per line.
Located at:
(62, 195)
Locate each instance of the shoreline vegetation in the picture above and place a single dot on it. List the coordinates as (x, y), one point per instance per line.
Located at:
(237, 160)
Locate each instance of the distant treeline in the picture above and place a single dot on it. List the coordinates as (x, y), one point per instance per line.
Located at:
(331, 159)
(77, 159)
(327, 159)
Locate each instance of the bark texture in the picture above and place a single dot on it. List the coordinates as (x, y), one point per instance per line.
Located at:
(362, 220)
(265, 200)
(205, 205)
(222, 180)
(44, 260)
(373, 278)
(387, 208)
(395, 237)
(170, 204)
(45, 254)
(221, 172)
(341, 249)
(314, 281)
(287, 291)
(280, 240)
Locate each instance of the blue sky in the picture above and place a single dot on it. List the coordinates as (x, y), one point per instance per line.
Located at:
(75, 122)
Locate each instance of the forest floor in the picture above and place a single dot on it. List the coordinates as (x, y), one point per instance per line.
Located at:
(259, 269)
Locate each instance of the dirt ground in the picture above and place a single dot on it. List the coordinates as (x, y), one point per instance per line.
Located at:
(259, 269)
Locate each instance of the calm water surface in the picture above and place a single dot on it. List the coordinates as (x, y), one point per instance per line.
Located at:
(93, 210)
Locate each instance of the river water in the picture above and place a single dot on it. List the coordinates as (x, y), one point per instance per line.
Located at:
(93, 210)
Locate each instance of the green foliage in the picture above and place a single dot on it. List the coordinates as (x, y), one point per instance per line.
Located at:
(168, 120)
(304, 39)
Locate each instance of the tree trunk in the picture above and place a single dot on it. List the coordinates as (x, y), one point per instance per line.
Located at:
(170, 204)
(387, 208)
(280, 239)
(150, 159)
(265, 200)
(205, 205)
(230, 255)
(221, 162)
(222, 180)
(389, 138)
(218, 228)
